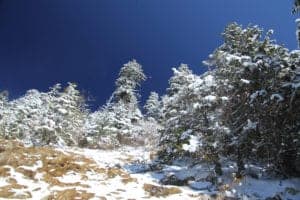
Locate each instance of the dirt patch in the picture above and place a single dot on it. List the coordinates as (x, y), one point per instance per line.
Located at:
(160, 191)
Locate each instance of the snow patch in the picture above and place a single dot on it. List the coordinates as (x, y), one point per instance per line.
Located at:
(210, 98)
(193, 144)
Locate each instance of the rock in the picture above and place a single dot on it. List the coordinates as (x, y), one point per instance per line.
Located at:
(174, 180)
(155, 167)
(118, 166)
(200, 185)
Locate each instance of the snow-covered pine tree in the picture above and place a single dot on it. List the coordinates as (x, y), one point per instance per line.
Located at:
(174, 108)
(101, 130)
(192, 125)
(42, 118)
(3, 102)
(181, 76)
(124, 101)
(296, 6)
(120, 117)
(69, 110)
(3, 110)
(258, 112)
(25, 116)
(153, 106)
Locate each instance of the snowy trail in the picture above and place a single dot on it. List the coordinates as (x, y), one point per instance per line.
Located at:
(134, 185)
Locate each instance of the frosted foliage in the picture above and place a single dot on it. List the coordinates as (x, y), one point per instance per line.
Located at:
(44, 118)
(130, 77)
(153, 106)
(262, 110)
(121, 118)
(190, 112)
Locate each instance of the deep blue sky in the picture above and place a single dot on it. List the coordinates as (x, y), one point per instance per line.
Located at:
(43, 42)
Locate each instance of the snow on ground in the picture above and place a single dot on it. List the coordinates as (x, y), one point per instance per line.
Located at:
(126, 159)
(74, 173)
(125, 173)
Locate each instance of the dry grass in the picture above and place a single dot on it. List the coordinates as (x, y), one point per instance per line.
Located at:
(7, 191)
(128, 179)
(28, 173)
(71, 194)
(160, 191)
(55, 164)
(4, 171)
(113, 172)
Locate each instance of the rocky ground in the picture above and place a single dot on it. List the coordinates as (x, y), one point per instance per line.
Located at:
(124, 173)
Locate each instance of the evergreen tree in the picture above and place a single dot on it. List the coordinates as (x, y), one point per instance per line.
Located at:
(41, 118)
(121, 116)
(3, 110)
(174, 110)
(296, 6)
(153, 106)
(258, 75)
(70, 110)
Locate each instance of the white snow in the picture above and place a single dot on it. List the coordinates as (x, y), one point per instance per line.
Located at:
(38, 189)
(209, 80)
(210, 98)
(257, 93)
(224, 98)
(62, 111)
(277, 97)
(70, 177)
(245, 81)
(39, 164)
(186, 134)
(3, 182)
(261, 189)
(134, 161)
(193, 144)
(230, 58)
(296, 85)
(250, 65)
(200, 185)
(250, 125)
